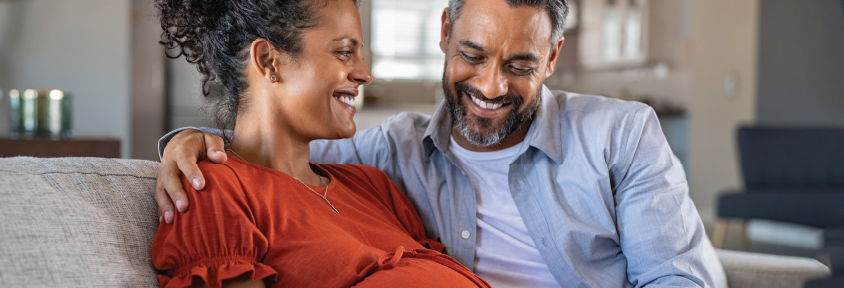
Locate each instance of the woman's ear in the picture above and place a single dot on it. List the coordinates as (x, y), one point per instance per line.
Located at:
(265, 59)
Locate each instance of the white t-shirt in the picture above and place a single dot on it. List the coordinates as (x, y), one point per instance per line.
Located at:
(506, 255)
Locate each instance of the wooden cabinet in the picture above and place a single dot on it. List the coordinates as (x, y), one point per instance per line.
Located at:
(69, 147)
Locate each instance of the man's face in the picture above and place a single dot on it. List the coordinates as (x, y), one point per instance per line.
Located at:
(497, 58)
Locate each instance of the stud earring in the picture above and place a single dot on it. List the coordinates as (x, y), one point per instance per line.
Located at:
(273, 78)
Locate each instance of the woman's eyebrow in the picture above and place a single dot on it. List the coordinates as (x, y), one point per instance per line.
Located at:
(350, 38)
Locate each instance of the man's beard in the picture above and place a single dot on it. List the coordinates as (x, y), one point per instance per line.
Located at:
(476, 129)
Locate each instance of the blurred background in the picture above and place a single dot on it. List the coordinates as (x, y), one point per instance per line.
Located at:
(707, 67)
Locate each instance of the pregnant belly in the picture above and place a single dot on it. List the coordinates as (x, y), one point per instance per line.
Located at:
(423, 269)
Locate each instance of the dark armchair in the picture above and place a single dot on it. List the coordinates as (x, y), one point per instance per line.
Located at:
(793, 175)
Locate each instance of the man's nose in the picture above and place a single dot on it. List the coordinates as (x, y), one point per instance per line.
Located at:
(492, 83)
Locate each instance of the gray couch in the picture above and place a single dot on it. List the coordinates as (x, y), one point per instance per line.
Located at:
(90, 222)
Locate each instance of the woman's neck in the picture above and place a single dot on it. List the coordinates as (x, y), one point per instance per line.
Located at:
(262, 141)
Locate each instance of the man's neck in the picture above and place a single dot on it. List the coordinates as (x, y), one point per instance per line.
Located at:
(511, 140)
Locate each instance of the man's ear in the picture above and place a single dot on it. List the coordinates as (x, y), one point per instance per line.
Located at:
(552, 60)
(265, 59)
(444, 30)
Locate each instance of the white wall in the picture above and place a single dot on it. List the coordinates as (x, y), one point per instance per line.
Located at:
(724, 41)
(81, 46)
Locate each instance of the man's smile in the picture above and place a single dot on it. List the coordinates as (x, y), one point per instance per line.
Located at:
(486, 105)
(485, 108)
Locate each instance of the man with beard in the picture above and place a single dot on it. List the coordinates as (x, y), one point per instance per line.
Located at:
(525, 186)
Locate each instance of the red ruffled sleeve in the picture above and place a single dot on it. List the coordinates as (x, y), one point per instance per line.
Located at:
(215, 240)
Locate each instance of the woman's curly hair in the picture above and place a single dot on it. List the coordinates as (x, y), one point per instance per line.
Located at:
(216, 35)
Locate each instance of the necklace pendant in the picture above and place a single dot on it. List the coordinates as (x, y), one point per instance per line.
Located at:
(329, 204)
(323, 196)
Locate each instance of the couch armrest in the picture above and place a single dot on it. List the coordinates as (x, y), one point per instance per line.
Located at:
(751, 270)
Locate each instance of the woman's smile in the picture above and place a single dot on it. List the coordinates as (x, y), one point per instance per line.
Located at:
(346, 97)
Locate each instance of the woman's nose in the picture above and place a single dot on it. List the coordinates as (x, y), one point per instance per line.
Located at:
(360, 73)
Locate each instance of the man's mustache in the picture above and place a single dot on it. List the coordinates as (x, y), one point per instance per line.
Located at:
(462, 87)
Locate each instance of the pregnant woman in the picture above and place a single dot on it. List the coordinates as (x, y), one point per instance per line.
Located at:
(291, 70)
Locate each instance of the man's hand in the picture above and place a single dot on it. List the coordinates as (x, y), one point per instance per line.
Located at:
(180, 156)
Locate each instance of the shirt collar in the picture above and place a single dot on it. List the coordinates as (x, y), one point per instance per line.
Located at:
(439, 130)
(546, 130)
(544, 133)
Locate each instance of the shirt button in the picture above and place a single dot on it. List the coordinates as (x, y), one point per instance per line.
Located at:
(465, 234)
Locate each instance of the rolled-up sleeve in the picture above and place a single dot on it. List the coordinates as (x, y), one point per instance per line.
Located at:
(661, 234)
(215, 240)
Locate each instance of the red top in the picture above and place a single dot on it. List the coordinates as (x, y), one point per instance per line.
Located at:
(252, 219)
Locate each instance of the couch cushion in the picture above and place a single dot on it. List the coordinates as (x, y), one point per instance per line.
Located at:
(779, 157)
(754, 270)
(81, 222)
(819, 209)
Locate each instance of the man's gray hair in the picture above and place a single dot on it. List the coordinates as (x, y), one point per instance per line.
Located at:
(557, 12)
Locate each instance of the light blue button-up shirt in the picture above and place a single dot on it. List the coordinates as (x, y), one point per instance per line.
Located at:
(601, 194)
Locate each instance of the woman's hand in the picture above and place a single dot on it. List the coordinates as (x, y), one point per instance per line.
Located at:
(180, 156)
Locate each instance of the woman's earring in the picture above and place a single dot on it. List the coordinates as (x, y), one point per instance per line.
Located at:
(273, 78)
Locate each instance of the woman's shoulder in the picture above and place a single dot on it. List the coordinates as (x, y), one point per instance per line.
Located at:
(210, 169)
(232, 169)
(225, 184)
(226, 177)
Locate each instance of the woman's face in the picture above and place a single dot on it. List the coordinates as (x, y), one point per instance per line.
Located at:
(316, 90)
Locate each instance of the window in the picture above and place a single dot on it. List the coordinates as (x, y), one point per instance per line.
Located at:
(405, 39)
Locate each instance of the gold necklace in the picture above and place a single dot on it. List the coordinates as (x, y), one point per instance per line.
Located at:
(324, 196)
